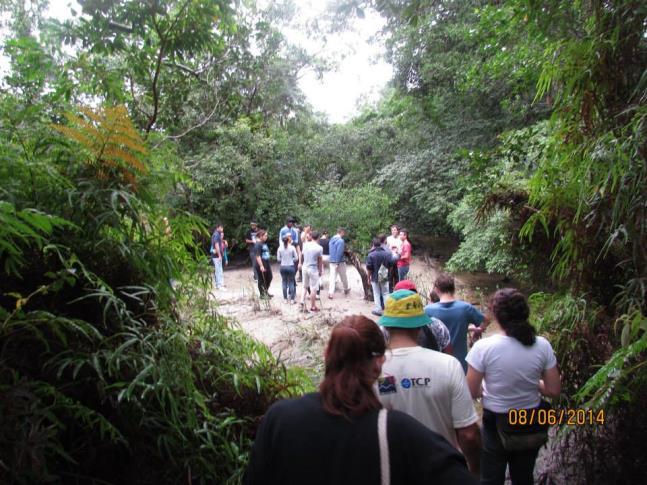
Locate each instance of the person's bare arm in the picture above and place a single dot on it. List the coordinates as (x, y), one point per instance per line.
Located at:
(550, 384)
(320, 264)
(469, 439)
(474, 380)
(259, 262)
(486, 321)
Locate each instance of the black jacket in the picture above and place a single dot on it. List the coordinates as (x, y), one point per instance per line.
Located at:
(299, 443)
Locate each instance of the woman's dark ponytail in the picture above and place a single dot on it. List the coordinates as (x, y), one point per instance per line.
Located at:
(511, 310)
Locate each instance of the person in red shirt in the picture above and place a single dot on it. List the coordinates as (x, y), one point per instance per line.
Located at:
(405, 255)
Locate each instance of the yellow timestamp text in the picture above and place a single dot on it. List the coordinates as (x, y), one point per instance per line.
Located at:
(555, 417)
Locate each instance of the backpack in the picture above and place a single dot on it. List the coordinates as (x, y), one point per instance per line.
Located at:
(382, 274)
(427, 339)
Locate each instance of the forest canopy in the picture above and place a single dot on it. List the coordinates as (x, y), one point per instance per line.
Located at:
(128, 130)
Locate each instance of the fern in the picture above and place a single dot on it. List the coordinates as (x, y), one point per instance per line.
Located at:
(20, 229)
(112, 142)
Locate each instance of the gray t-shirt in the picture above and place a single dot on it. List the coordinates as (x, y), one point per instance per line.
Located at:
(311, 253)
(286, 256)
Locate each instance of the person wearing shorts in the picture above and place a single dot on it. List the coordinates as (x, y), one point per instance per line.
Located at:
(312, 270)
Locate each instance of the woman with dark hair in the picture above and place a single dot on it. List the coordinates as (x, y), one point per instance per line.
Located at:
(263, 267)
(341, 435)
(516, 367)
(287, 256)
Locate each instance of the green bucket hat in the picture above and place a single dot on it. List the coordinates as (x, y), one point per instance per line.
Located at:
(404, 309)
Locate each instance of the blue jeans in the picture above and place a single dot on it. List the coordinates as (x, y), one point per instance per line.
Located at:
(288, 283)
(403, 271)
(494, 457)
(218, 275)
(380, 294)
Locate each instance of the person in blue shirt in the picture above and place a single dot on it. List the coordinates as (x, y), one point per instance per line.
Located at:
(459, 316)
(291, 230)
(217, 251)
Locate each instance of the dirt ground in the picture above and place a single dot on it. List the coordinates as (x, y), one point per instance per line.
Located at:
(299, 338)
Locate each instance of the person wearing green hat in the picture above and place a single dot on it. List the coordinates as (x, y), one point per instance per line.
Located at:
(428, 385)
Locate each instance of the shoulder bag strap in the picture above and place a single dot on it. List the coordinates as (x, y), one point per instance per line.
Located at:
(385, 466)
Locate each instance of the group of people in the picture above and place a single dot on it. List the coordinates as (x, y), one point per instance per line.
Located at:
(396, 402)
(414, 362)
(301, 255)
(388, 262)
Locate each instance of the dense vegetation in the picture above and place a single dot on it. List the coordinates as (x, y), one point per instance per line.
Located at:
(516, 126)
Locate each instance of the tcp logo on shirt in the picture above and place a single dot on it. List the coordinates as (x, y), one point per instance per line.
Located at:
(386, 385)
(413, 382)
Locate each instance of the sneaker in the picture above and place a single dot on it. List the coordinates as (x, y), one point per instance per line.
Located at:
(347, 291)
(315, 309)
(377, 313)
(330, 297)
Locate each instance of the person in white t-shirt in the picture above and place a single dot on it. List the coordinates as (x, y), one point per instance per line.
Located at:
(515, 367)
(394, 244)
(428, 385)
(312, 270)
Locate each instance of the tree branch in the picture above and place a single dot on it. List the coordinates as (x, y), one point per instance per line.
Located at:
(163, 40)
(195, 127)
(120, 27)
(188, 70)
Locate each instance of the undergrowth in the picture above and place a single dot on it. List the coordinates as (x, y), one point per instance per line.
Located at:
(113, 366)
(602, 362)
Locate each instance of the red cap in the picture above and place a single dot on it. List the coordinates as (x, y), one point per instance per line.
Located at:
(405, 285)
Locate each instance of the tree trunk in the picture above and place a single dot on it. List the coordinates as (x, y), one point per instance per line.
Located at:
(355, 260)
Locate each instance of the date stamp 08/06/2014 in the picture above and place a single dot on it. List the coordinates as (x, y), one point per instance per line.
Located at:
(555, 417)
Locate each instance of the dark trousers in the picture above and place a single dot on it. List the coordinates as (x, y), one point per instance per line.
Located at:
(393, 278)
(494, 457)
(403, 271)
(264, 278)
(287, 282)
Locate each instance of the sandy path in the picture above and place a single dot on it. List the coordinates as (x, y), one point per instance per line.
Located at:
(297, 337)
